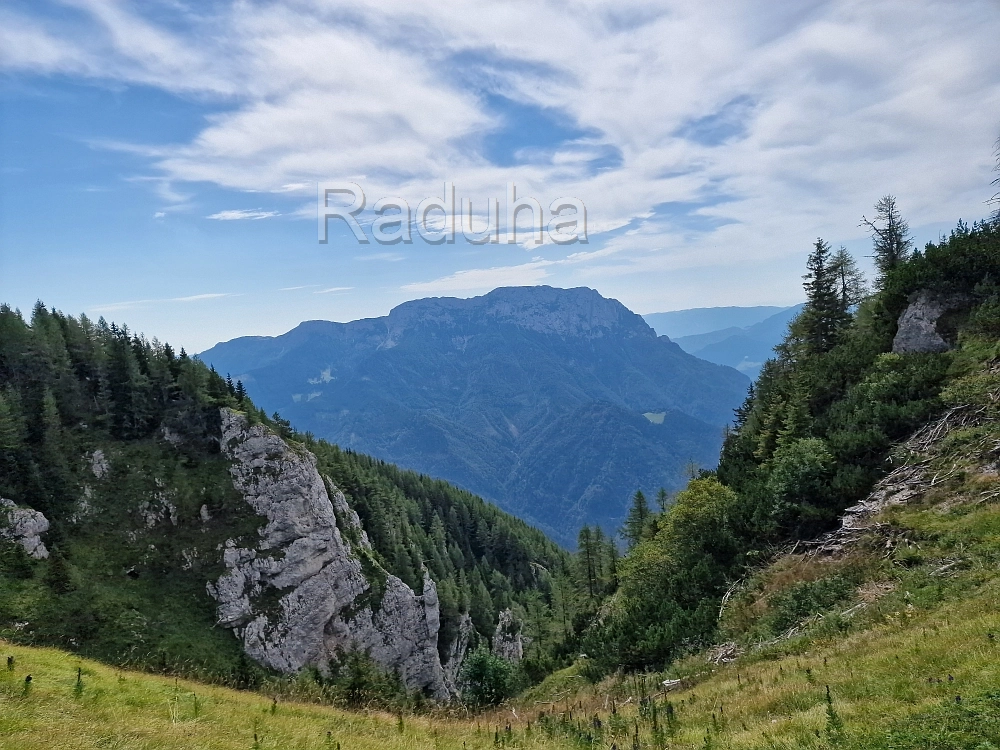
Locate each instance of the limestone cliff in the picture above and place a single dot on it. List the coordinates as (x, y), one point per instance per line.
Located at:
(308, 588)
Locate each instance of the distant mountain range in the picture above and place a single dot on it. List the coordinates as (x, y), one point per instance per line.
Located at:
(745, 340)
(679, 323)
(557, 404)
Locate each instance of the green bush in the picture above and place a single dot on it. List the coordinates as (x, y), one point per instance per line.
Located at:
(485, 679)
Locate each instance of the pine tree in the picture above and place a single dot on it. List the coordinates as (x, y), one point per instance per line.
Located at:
(637, 520)
(891, 242)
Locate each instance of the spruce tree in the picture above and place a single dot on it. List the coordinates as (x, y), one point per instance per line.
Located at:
(587, 564)
(637, 520)
(57, 576)
(824, 314)
(663, 498)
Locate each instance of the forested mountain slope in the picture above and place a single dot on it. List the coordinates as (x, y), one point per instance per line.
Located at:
(815, 434)
(556, 404)
(146, 501)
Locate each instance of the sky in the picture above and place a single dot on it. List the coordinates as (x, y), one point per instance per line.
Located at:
(159, 161)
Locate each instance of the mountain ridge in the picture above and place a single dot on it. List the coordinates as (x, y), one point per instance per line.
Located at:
(460, 388)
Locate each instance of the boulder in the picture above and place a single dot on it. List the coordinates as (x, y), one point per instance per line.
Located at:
(24, 526)
(919, 329)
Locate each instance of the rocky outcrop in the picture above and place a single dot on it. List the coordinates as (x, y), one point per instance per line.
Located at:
(507, 641)
(457, 651)
(24, 526)
(920, 329)
(307, 589)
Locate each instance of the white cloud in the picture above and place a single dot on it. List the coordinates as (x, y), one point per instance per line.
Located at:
(483, 279)
(838, 102)
(333, 289)
(382, 257)
(239, 214)
(116, 306)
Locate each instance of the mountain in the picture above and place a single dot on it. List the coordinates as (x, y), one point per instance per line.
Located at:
(745, 349)
(697, 320)
(152, 516)
(557, 404)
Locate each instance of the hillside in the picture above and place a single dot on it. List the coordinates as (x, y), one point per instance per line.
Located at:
(152, 516)
(106, 707)
(490, 392)
(896, 612)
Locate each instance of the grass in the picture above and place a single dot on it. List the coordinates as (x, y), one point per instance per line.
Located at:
(136, 711)
(882, 679)
(918, 667)
(903, 629)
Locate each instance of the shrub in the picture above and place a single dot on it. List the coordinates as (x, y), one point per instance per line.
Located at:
(486, 680)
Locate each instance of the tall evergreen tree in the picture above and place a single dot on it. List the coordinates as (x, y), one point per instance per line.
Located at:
(663, 498)
(587, 557)
(824, 314)
(850, 280)
(891, 241)
(637, 520)
(995, 200)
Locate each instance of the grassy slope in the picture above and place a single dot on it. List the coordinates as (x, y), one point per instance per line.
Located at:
(903, 625)
(118, 709)
(894, 678)
(908, 641)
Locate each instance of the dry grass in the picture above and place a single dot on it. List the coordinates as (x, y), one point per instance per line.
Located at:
(122, 710)
(909, 663)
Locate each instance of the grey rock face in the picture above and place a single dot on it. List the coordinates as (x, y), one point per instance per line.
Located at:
(918, 329)
(507, 641)
(298, 596)
(457, 651)
(99, 464)
(24, 526)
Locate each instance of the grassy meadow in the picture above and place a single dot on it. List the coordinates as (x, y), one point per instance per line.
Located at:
(112, 708)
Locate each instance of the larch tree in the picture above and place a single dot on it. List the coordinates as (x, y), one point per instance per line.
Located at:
(891, 241)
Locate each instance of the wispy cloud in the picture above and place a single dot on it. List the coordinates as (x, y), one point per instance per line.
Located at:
(131, 304)
(481, 279)
(296, 288)
(334, 289)
(240, 214)
(382, 257)
(784, 120)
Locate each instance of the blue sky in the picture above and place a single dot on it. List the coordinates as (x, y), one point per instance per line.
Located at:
(159, 160)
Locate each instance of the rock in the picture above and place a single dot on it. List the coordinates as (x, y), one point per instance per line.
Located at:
(24, 526)
(507, 641)
(457, 651)
(99, 464)
(919, 328)
(299, 595)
